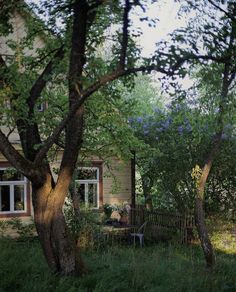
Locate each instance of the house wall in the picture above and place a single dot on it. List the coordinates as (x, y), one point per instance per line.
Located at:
(116, 178)
(117, 182)
(114, 183)
(19, 32)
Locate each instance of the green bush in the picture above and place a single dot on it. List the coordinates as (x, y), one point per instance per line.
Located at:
(3, 227)
(85, 228)
(25, 231)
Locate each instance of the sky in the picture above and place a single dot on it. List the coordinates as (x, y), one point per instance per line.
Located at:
(167, 13)
(168, 20)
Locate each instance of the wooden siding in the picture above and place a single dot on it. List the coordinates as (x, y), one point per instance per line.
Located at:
(117, 182)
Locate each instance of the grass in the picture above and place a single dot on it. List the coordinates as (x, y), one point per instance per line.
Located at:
(160, 267)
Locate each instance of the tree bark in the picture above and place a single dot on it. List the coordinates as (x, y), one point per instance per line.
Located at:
(147, 186)
(59, 248)
(228, 75)
(203, 233)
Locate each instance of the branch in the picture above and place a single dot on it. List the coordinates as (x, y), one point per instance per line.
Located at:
(191, 56)
(125, 35)
(119, 73)
(89, 91)
(41, 82)
(14, 157)
(40, 60)
(10, 132)
(97, 4)
(222, 10)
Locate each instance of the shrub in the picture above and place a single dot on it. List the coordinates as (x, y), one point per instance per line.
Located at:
(25, 231)
(85, 228)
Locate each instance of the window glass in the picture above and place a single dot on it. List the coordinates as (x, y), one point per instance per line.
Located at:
(10, 174)
(19, 203)
(92, 195)
(81, 193)
(12, 191)
(87, 186)
(87, 173)
(4, 198)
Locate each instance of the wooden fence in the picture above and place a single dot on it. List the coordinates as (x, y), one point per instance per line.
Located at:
(163, 225)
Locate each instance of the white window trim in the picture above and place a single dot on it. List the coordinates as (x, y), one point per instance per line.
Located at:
(12, 184)
(85, 182)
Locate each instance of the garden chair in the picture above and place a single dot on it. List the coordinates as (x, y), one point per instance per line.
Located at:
(140, 234)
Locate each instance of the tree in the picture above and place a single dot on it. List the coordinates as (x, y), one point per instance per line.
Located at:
(210, 42)
(70, 51)
(216, 31)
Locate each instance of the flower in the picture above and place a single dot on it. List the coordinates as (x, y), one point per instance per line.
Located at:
(139, 119)
(180, 130)
(123, 209)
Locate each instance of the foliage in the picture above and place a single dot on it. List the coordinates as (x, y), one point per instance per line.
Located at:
(108, 209)
(25, 231)
(177, 138)
(112, 269)
(68, 70)
(85, 229)
(121, 209)
(3, 227)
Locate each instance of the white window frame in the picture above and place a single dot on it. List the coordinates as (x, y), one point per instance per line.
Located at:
(12, 184)
(86, 182)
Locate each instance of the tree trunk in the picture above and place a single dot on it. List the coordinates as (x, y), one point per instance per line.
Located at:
(75, 199)
(59, 248)
(147, 186)
(203, 233)
(199, 212)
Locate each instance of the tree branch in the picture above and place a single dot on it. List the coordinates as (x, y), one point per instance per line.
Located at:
(97, 4)
(41, 82)
(89, 91)
(14, 157)
(222, 10)
(125, 35)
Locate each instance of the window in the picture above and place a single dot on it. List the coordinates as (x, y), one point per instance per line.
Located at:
(87, 184)
(13, 189)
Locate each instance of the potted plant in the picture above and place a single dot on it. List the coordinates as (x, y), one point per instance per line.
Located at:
(124, 213)
(107, 209)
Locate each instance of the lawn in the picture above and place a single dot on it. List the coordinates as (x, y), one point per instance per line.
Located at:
(160, 267)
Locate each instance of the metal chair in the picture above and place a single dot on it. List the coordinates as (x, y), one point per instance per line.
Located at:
(139, 234)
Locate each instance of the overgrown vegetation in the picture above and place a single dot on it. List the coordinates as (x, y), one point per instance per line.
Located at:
(159, 267)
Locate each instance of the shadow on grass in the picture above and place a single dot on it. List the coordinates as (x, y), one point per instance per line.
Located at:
(160, 267)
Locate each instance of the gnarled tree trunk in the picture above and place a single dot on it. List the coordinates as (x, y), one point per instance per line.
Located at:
(59, 248)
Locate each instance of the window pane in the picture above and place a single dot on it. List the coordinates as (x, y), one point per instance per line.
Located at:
(19, 198)
(81, 193)
(90, 173)
(92, 195)
(4, 198)
(10, 174)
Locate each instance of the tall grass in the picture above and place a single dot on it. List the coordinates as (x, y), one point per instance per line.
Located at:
(155, 268)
